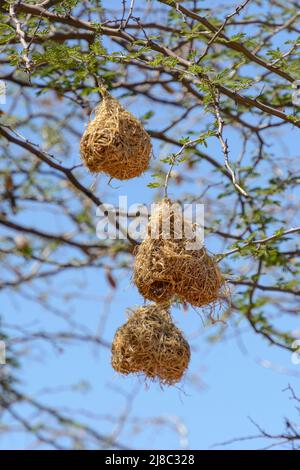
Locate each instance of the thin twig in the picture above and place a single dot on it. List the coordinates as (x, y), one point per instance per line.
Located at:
(262, 241)
(174, 157)
(224, 143)
(21, 35)
(222, 27)
(129, 13)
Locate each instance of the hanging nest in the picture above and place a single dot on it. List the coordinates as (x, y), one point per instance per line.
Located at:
(115, 142)
(165, 267)
(151, 344)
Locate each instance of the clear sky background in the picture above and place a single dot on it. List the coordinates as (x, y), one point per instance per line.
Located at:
(229, 383)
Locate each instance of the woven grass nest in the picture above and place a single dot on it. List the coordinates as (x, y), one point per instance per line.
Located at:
(165, 268)
(150, 343)
(115, 142)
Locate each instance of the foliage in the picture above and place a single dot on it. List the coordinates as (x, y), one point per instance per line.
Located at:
(214, 89)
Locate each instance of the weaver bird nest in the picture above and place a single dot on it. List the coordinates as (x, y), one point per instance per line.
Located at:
(168, 267)
(115, 142)
(150, 343)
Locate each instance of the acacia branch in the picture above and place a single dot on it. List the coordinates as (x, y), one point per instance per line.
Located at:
(122, 35)
(21, 35)
(68, 173)
(234, 45)
(261, 242)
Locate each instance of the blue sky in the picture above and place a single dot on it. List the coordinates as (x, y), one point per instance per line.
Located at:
(239, 378)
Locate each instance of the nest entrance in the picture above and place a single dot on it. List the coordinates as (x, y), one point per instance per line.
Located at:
(151, 344)
(165, 266)
(115, 142)
(152, 274)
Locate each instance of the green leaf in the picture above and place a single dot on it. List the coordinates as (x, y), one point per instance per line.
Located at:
(7, 32)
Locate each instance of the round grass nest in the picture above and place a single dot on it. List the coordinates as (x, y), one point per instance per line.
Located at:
(115, 142)
(150, 343)
(165, 268)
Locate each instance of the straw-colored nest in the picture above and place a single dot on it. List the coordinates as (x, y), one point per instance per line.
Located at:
(165, 267)
(115, 142)
(151, 344)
